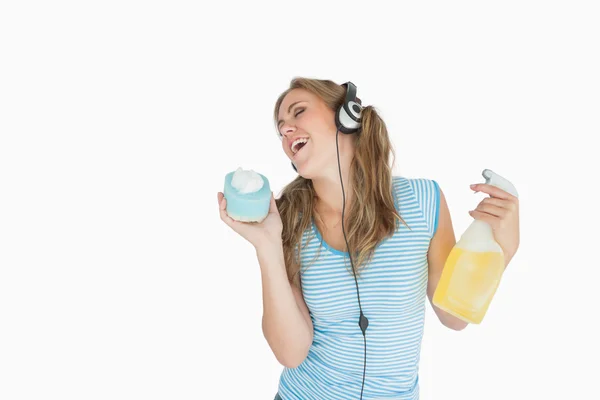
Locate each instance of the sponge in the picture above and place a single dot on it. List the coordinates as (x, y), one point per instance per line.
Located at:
(248, 195)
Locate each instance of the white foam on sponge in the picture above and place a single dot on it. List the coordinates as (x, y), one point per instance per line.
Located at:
(247, 181)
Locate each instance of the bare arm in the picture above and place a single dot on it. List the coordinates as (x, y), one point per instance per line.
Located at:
(441, 244)
(286, 322)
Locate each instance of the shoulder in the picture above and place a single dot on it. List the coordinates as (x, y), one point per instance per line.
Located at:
(422, 188)
(426, 192)
(403, 179)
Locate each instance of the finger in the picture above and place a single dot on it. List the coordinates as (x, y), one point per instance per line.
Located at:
(506, 204)
(223, 212)
(492, 209)
(219, 198)
(493, 191)
(482, 216)
(273, 206)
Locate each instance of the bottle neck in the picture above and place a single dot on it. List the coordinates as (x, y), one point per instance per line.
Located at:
(479, 237)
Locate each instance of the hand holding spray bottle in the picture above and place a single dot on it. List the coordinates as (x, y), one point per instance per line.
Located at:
(474, 267)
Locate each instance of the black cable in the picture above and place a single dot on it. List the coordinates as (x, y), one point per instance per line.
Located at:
(363, 322)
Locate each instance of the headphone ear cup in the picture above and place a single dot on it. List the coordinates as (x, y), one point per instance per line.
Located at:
(348, 117)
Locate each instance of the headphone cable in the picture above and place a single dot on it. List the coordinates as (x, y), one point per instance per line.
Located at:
(363, 322)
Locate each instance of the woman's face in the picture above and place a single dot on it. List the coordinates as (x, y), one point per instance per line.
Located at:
(305, 117)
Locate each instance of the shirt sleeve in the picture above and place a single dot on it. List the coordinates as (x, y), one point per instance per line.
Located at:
(427, 193)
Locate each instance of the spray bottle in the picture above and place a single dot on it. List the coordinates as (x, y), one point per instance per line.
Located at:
(474, 267)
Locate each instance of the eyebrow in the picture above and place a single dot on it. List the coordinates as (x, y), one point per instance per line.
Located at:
(289, 109)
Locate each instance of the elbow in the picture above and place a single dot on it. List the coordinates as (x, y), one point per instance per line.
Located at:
(449, 320)
(289, 351)
(455, 325)
(291, 363)
(292, 360)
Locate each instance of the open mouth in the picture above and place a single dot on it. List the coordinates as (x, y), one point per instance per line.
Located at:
(298, 145)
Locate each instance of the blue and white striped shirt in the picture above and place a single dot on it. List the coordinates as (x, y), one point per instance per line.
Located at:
(393, 289)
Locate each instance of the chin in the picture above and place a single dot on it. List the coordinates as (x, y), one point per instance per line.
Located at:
(307, 173)
(311, 168)
(303, 171)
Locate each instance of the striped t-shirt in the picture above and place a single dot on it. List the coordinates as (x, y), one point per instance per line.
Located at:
(393, 292)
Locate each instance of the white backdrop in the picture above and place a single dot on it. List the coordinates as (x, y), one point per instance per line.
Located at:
(120, 119)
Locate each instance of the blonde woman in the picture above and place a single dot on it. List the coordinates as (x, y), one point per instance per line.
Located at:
(348, 325)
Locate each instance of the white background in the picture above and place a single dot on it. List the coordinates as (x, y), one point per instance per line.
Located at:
(120, 119)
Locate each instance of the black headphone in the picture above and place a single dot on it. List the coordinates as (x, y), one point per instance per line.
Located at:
(349, 114)
(348, 120)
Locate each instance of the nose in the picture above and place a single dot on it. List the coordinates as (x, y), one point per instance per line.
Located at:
(288, 130)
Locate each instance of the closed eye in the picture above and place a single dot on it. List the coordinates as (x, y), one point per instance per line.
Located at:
(295, 116)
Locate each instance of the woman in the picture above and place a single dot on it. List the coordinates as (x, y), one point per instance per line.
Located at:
(399, 231)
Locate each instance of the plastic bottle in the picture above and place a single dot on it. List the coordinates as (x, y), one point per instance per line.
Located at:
(474, 267)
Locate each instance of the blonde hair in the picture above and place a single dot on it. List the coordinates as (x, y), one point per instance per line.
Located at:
(372, 216)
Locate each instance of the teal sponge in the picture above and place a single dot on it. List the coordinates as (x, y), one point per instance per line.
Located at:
(248, 195)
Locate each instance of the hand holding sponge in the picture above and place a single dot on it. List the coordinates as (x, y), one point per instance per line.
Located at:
(248, 195)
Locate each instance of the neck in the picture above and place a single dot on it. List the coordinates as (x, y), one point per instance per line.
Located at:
(328, 189)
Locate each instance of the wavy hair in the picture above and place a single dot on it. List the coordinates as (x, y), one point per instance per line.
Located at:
(372, 216)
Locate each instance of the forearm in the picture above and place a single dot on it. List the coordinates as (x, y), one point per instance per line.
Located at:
(283, 324)
(445, 318)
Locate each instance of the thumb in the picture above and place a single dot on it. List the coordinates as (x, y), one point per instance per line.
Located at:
(273, 207)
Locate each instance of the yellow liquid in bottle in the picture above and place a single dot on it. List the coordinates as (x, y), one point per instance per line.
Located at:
(468, 283)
